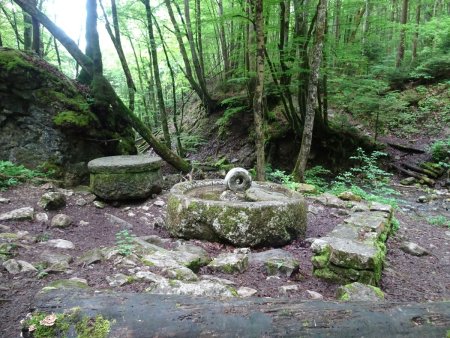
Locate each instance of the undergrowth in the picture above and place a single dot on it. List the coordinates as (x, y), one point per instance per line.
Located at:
(13, 174)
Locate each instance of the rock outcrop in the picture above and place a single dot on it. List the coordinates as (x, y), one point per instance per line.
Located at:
(47, 120)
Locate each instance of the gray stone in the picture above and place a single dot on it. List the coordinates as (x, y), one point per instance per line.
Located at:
(61, 221)
(26, 267)
(245, 292)
(8, 237)
(256, 194)
(305, 188)
(4, 200)
(276, 262)
(349, 196)
(41, 217)
(238, 179)
(314, 295)
(287, 289)
(55, 261)
(91, 256)
(422, 199)
(52, 200)
(180, 273)
(156, 240)
(331, 201)
(61, 284)
(21, 214)
(99, 204)
(118, 279)
(359, 292)
(229, 263)
(218, 279)
(413, 249)
(159, 203)
(408, 181)
(202, 288)
(194, 211)
(375, 221)
(114, 220)
(4, 228)
(125, 177)
(12, 266)
(59, 243)
(375, 206)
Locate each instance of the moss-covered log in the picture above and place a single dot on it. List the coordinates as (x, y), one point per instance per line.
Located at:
(109, 94)
(145, 315)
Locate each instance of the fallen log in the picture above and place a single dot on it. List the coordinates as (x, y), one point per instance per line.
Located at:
(420, 170)
(420, 177)
(147, 315)
(406, 149)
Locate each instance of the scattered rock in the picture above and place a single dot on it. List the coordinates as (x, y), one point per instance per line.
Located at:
(229, 263)
(118, 279)
(156, 240)
(306, 188)
(359, 292)
(72, 283)
(408, 181)
(52, 200)
(245, 292)
(59, 243)
(413, 249)
(41, 217)
(21, 214)
(330, 200)
(202, 288)
(314, 210)
(422, 199)
(349, 196)
(91, 257)
(4, 228)
(180, 273)
(55, 261)
(375, 206)
(26, 267)
(159, 203)
(12, 266)
(114, 220)
(81, 202)
(61, 221)
(287, 289)
(83, 223)
(8, 236)
(4, 200)
(276, 262)
(159, 222)
(99, 204)
(314, 295)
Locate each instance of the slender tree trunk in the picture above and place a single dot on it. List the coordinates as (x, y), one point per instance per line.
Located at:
(159, 90)
(311, 102)
(258, 109)
(36, 41)
(117, 42)
(58, 57)
(114, 99)
(198, 24)
(13, 22)
(401, 44)
(27, 31)
(223, 41)
(92, 44)
(416, 32)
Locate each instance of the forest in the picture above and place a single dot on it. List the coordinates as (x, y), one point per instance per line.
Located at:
(338, 111)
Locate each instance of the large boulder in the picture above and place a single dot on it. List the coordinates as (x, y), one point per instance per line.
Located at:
(46, 119)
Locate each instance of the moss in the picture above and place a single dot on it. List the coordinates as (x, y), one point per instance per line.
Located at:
(11, 59)
(321, 260)
(327, 274)
(97, 327)
(147, 262)
(377, 291)
(72, 119)
(59, 328)
(345, 297)
(233, 291)
(64, 284)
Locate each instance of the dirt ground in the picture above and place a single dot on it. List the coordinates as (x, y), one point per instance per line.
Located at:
(406, 278)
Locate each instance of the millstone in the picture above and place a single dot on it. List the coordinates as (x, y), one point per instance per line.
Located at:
(125, 177)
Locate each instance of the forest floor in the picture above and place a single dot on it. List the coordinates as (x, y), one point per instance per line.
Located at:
(406, 278)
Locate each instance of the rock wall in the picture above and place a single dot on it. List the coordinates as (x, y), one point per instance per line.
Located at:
(47, 120)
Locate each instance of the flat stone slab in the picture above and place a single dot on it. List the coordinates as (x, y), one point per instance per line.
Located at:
(360, 293)
(125, 177)
(277, 262)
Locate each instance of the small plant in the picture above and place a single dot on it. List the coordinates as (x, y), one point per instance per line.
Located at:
(440, 221)
(395, 225)
(315, 175)
(44, 237)
(12, 174)
(279, 176)
(124, 242)
(440, 150)
(41, 270)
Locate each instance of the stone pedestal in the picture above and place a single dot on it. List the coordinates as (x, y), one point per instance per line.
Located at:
(125, 177)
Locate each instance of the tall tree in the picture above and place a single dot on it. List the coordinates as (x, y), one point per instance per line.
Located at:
(117, 42)
(154, 57)
(311, 102)
(258, 109)
(401, 44)
(416, 32)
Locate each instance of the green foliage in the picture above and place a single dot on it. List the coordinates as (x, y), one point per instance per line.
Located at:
(43, 325)
(366, 179)
(235, 105)
(12, 174)
(315, 176)
(440, 150)
(124, 242)
(72, 119)
(439, 220)
(279, 176)
(191, 141)
(395, 223)
(97, 327)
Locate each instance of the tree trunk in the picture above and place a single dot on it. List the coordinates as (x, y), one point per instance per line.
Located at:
(401, 44)
(145, 315)
(92, 44)
(117, 42)
(36, 42)
(27, 31)
(416, 32)
(258, 109)
(159, 90)
(223, 41)
(115, 101)
(13, 22)
(311, 102)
